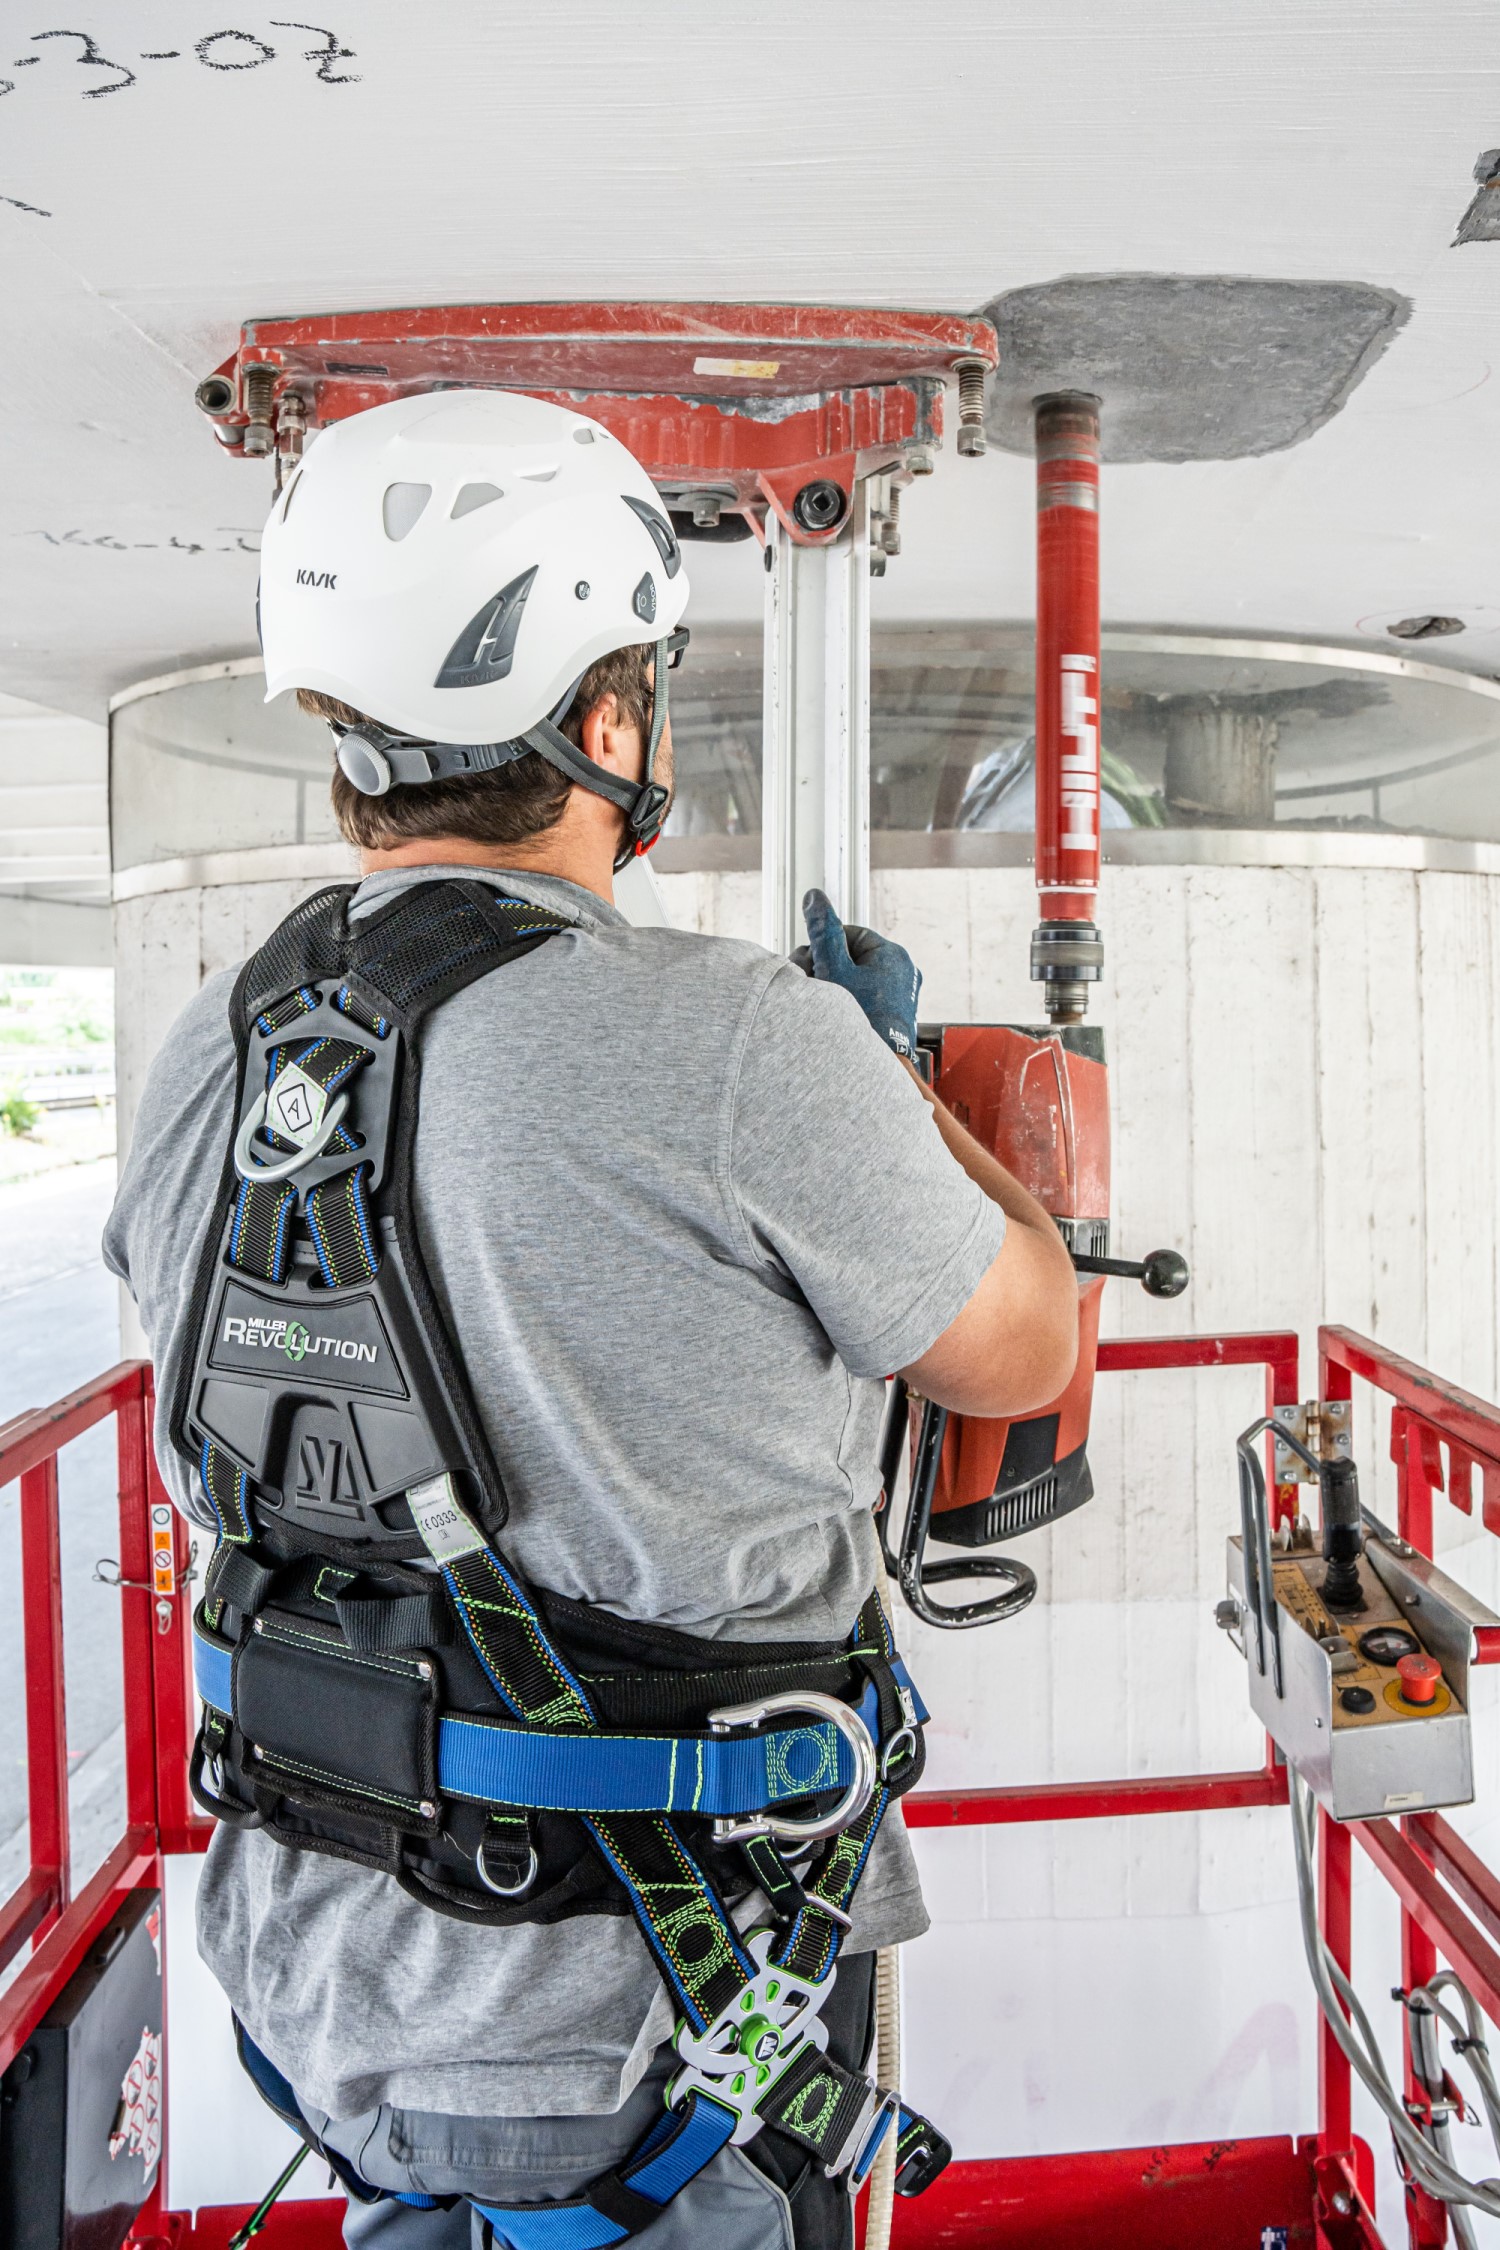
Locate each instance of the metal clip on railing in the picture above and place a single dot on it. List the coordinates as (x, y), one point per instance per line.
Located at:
(107, 1573)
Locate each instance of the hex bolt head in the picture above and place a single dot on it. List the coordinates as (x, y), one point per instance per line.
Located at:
(820, 505)
(971, 441)
(1227, 1614)
(921, 460)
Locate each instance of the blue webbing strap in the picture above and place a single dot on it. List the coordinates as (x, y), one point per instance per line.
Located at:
(674, 2152)
(680, 1916)
(712, 1775)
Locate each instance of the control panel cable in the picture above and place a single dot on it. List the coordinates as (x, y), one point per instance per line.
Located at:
(1423, 2159)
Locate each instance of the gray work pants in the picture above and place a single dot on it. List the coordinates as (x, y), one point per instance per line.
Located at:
(505, 2160)
(782, 2202)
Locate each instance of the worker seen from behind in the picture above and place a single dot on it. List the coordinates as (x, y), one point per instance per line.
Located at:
(521, 1286)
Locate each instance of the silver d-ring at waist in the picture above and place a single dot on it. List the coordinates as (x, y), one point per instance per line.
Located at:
(856, 1797)
(902, 1745)
(251, 1167)
(507, 1890)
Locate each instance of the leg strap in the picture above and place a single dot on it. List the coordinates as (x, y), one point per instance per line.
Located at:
(622, 2202)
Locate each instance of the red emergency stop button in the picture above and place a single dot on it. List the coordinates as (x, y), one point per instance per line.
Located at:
(1419, 1676)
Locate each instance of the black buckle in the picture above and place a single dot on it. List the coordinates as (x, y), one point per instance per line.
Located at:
(921, 2154)
(647, 812)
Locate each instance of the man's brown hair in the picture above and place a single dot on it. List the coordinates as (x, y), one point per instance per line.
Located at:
(507, 806)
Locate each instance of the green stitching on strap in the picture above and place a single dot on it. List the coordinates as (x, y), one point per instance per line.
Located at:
(811, 2109)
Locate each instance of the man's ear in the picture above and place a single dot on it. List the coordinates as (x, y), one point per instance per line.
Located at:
(600, 732)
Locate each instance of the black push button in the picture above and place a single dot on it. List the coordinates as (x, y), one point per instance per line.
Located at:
(1357, 1699)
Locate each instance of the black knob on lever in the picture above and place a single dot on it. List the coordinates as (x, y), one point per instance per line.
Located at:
(1163, 1273)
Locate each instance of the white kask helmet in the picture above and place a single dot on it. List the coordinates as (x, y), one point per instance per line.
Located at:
(452, 564)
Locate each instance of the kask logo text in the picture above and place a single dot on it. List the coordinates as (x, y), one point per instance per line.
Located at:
(328, 578)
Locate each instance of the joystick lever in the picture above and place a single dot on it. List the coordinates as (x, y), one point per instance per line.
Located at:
(1161, 1273)
(1343, 1535)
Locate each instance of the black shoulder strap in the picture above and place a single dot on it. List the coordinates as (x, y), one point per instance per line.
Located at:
(380, 976)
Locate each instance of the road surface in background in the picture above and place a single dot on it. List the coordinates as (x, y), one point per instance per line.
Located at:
(59, 1325)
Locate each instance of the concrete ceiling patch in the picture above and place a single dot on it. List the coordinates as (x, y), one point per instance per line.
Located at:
(1190, 367)
(1481, 222)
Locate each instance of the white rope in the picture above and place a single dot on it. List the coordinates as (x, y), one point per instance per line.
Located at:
(882, 2203)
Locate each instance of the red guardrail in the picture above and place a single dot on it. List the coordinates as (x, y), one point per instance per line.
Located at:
(43, 1911)
(1450, 1900)
(1276, 1352)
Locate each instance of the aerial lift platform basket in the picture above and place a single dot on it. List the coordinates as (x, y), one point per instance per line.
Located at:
(799, 427)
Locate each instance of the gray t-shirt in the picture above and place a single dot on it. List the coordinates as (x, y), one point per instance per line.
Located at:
(683, 1210)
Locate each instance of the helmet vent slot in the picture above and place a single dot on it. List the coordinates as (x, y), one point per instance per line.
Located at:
(542, 475)
(402, 507)
(474, 496)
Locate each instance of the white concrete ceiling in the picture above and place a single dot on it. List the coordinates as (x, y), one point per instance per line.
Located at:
(859, 151)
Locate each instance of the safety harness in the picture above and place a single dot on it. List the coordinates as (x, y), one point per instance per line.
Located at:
(381, 1684)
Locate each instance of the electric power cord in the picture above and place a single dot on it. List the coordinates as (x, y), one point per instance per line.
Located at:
(1357, 2038)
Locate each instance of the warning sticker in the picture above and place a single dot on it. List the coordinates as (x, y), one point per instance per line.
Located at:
(137, 2126)
(755, 370)
(163, 1562)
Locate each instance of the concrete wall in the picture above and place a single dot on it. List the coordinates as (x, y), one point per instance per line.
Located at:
(1304, 1081)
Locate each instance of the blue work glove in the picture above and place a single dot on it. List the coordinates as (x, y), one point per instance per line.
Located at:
(882, 975)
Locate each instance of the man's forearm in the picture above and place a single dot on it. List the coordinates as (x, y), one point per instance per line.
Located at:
(988, 1173)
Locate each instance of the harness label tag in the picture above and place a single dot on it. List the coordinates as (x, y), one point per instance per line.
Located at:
(446, 1531)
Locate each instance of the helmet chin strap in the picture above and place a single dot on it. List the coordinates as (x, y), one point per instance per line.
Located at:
(375, 760)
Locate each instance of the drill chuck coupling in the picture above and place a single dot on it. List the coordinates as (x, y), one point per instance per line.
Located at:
(1066, 957)
(1343, 1535)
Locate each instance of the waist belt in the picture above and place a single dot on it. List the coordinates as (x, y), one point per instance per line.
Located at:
(713, 1775)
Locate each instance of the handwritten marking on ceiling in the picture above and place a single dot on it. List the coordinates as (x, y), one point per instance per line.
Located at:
(228, 52)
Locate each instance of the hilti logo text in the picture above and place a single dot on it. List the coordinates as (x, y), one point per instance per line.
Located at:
(1080, 758)
(328, 578)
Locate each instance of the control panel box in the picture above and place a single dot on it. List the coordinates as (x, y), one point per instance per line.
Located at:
(1370, 1705)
